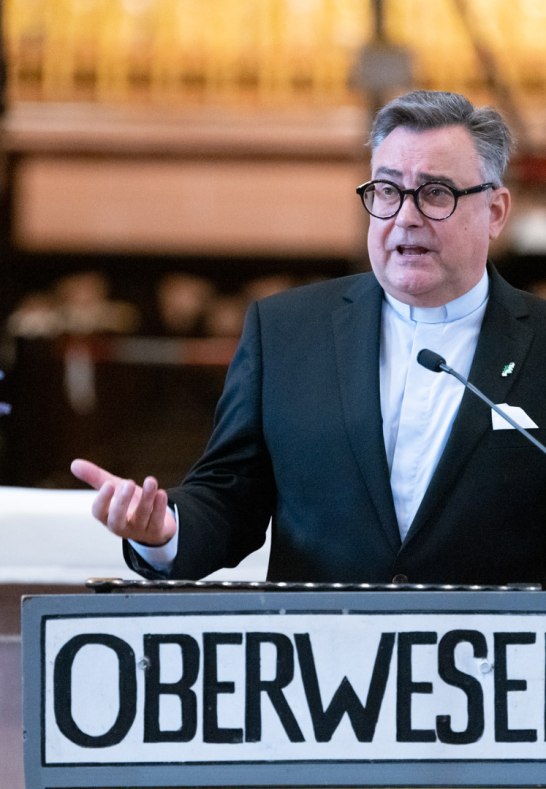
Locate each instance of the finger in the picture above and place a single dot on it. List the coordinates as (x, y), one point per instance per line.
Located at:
(161, 524)
(118, 519)
(101, 503)
(143, 504)
(91, 474)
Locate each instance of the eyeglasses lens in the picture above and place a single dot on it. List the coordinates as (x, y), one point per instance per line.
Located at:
(383, 200)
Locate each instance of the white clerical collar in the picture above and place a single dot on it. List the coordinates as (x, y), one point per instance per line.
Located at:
(452, 311)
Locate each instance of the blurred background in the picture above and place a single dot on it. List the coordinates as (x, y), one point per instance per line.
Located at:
(164, 162)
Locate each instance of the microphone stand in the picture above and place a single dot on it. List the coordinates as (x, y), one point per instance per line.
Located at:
(436, 363)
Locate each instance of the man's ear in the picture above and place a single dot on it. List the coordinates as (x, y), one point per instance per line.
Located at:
(499, 210)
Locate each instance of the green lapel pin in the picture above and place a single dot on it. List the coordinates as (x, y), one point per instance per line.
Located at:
(508, 369)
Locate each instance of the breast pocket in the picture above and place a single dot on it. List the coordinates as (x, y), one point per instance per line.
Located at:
(499, 439)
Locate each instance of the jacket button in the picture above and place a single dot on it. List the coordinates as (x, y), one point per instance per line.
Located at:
(399, 578)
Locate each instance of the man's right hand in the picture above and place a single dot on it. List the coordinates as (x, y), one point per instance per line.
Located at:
(126, 509)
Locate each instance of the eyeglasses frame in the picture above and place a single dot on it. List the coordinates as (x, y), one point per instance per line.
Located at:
(415, 194)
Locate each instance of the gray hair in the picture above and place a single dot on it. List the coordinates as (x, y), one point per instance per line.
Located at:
(429, 109)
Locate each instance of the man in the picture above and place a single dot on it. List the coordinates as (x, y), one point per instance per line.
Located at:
(373, 468)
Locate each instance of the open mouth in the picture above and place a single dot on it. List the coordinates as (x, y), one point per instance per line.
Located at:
(406, 249)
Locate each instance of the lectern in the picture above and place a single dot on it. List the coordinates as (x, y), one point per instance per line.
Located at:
(173, 684)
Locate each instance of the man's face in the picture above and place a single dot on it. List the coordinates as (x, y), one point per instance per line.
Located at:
(418, 260)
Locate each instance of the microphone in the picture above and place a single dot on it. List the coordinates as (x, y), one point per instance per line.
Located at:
(435, 363)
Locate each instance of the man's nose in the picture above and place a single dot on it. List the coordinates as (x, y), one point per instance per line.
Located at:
(409, 214)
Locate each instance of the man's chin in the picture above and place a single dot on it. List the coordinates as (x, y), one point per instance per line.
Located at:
(420, 289)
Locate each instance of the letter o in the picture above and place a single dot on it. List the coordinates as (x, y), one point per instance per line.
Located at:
(62, 690)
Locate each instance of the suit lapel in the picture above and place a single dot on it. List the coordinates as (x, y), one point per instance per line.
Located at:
(356, 327)
(503, 339)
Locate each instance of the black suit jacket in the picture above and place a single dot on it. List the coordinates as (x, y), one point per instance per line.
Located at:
(298, 438)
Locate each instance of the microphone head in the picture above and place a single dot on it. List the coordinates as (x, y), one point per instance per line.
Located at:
(431, 360)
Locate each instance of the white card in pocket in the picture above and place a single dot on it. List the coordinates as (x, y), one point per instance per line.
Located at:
(516, 413)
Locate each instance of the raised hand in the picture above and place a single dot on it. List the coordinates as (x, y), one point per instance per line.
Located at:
(126, 509)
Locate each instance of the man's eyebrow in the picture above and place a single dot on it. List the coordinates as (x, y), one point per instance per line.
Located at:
(423, 177)
(388, 171)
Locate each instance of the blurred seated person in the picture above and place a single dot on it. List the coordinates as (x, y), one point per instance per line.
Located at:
(85, 306)
(77, 304)
(183, 301)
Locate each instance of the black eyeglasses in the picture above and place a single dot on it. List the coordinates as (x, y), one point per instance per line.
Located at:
(435, 200)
